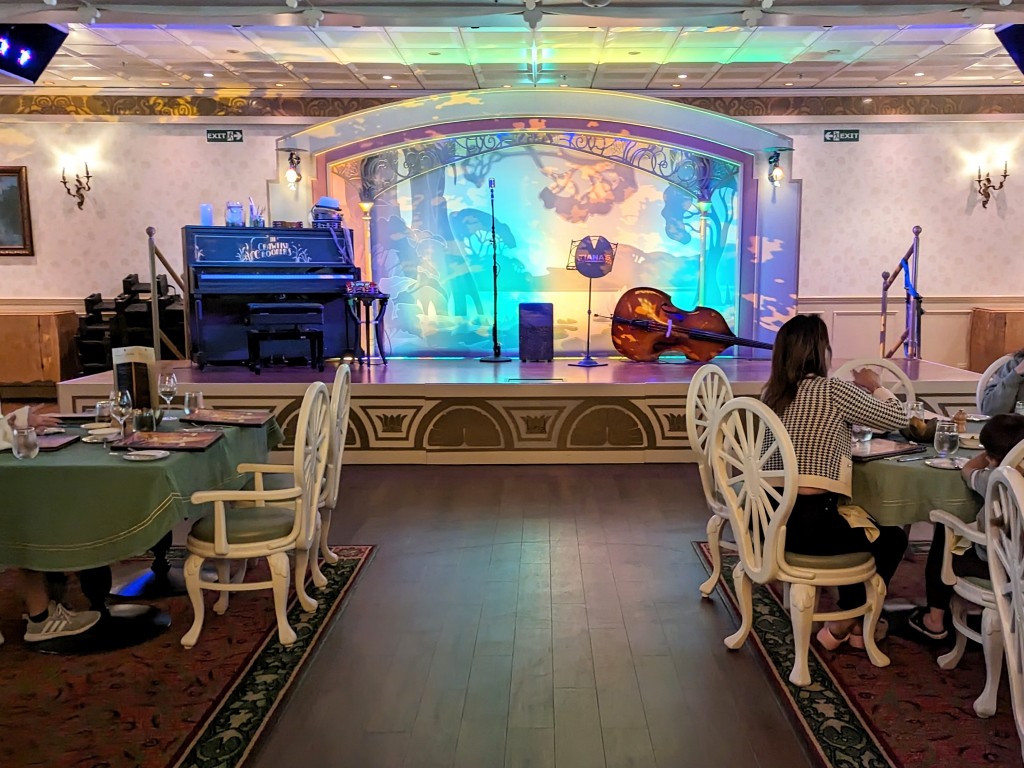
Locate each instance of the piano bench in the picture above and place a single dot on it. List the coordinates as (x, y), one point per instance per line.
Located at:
(285, 322)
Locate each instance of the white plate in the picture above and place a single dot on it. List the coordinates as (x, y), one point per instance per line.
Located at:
(146, 455)
(105, 431)
(957, 463)
(94, 425)
(970, 441)
(977, 417)
(100, 438)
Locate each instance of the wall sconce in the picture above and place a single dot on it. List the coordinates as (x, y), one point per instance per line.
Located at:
(292, 175)
(82, 185)
(775, 173)
(986, 187)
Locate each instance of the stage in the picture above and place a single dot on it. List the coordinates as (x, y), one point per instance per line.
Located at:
(462, 411)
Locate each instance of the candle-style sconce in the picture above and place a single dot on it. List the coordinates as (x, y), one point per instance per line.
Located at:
(292, 175)
(986, 187)
(775, 173)
(83, 184)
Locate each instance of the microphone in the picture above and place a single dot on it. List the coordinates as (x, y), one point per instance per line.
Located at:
(490, 183)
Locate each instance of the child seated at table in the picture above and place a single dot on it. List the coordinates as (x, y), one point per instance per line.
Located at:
(999, 435)
(46, 620)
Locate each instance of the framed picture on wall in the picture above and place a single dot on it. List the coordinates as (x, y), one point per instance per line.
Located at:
(15, 219)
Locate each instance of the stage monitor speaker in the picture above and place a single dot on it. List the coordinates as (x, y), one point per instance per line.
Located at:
(1012, 38)
(536, 333)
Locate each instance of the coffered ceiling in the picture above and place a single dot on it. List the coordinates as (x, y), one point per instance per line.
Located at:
(464, 44)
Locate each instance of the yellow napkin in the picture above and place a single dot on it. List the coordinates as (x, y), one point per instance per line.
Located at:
(858, 517)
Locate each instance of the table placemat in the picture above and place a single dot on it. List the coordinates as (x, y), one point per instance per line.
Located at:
(226, 417)
(879, 448)
(168, 441)
(56, 442)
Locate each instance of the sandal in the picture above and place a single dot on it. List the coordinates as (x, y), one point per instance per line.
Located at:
(830, 642)
(915, 622)
(881, 631)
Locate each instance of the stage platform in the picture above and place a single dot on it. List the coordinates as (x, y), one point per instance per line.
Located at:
(462, 411)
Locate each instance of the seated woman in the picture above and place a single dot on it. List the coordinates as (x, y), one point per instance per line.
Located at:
(999, 435)
(46, 620)
(1005, 387)
(818, 412)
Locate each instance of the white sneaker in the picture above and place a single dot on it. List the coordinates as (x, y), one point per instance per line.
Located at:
(60, 622)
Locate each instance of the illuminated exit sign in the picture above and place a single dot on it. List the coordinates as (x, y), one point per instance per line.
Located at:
(223, 136)
(834, 136)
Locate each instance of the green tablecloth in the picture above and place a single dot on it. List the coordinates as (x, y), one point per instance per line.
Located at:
(80, 507)
(900, 493)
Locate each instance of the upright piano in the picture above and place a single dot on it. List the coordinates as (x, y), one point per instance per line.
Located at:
(229, 268)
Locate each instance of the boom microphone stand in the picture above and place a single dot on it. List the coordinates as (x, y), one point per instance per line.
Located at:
(497, 356)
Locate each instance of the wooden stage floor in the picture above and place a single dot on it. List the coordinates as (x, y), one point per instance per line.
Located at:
(463, 411)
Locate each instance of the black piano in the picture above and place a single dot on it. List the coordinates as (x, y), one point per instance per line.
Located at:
(229, 268)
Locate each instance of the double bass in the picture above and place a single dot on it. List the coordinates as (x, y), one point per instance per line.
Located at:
(646, 324)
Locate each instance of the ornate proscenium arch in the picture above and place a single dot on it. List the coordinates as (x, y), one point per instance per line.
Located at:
(695, 173)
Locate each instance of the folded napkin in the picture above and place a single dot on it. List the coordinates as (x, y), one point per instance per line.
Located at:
(20, 419)
(858, 517)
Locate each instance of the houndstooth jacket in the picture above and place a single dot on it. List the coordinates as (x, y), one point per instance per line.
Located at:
(819, 420)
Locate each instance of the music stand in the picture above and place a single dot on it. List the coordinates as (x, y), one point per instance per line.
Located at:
(593, 256)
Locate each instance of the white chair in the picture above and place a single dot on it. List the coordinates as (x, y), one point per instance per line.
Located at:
(755, 470)
(287, 524)
(986, 377)
(893, 377)
(1005, 538)
(972, 591)
(709, 390)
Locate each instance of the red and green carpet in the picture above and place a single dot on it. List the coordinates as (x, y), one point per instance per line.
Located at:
(910, 714)
(158, 705)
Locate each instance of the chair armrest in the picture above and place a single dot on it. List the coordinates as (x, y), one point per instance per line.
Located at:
(968, 530)
(283, 494)
(269, 469)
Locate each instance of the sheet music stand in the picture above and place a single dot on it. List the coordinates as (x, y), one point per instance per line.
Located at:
(592, 257)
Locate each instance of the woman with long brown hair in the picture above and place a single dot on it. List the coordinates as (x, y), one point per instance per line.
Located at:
(819, 413)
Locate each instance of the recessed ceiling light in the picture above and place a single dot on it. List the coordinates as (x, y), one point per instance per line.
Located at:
(433, 53)
(233, 50)
(634, 53)
(509, 86)
(833, 51)
(48, 82)
(387, 77)
(207, 74)
(682, 77)
(164, 83)
(866, 100)
(279, 85)
(563, 85)
(903, 82)
(1016, 82)
(392, 86)
(919, 74)
(677, 85)
(787, 84)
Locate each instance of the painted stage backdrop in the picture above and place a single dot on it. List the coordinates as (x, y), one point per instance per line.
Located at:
(432, 247)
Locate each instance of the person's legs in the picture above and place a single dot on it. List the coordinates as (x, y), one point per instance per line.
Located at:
(48, 620)
(33, 591)
(930, 621)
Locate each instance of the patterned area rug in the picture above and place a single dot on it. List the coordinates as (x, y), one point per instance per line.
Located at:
(158, 705)
(911, 714)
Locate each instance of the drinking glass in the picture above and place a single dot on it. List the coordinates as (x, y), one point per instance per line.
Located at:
(947, 439)
(915, 408)
(193, 402)
(121, 408)
(1019, 407)
(25, 444)
(168, 386)
(102, 413)
(861, 434)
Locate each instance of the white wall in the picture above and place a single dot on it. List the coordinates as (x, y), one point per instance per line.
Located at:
(144, 174)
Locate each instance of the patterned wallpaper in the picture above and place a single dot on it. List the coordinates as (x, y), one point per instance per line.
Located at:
(327, 107)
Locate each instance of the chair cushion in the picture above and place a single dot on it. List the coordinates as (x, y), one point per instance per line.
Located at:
(828, 562)
(249, 525)
(979, 582)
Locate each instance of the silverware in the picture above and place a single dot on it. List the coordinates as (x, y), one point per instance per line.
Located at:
(911, 458)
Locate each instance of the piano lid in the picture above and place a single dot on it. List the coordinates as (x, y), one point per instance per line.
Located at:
(243, 247)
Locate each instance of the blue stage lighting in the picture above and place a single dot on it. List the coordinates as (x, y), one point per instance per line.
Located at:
(4, 46)
(24, 57)
(35, 45)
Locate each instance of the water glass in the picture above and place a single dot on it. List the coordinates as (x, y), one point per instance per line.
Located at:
(915, 408)
(193, 402)
(25, 444)
(947, 439)
(102, 412)
(1019, 407)
(861, 434)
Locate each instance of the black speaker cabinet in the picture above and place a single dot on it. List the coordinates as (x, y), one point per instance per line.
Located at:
(536, 333)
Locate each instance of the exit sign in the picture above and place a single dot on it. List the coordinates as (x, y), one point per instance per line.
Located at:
(223, 136)
(834, 135)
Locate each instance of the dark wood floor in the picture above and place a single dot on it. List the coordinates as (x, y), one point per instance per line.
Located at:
(529, 616)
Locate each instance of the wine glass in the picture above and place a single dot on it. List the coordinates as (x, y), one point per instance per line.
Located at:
(121, 408)
(947, 439)
(168, 387)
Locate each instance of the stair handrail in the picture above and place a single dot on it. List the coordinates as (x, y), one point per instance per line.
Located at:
(154, 300)
(911, 336)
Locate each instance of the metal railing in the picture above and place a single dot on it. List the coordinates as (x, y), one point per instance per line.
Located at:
(911, 336)
(154, 300)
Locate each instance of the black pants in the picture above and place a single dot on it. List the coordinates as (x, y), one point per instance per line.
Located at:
(816, 528)
(967, 564)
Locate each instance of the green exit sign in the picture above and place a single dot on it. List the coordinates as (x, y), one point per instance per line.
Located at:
(834, 135)
(230, 136)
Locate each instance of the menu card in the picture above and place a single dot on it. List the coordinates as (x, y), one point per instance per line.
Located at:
(135, 370)
(168, 441)
(229, 417)
(55, 442)
(880, 448)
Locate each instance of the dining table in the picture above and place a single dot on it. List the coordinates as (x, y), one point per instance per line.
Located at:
(85, 506)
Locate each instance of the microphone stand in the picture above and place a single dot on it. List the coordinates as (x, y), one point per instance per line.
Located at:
(496, 357)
